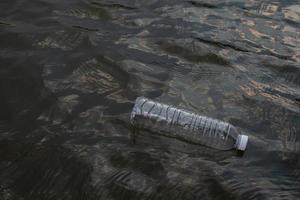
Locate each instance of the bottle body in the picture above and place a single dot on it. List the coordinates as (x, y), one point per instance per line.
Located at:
(179, 123)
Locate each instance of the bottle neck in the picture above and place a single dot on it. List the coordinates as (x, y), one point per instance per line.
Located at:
(241, 142)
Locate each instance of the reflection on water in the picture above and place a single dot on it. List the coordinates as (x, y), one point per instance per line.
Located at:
(70, 72)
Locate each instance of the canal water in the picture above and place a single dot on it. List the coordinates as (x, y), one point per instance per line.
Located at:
(71, 70)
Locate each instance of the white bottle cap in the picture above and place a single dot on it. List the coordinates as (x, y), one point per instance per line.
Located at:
(241, 142)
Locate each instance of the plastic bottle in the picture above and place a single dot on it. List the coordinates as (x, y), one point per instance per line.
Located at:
(178, 123)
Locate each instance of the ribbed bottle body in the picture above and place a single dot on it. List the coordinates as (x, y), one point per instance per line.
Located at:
(182, 124)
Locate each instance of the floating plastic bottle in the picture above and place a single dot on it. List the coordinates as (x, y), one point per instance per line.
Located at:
(182, 124)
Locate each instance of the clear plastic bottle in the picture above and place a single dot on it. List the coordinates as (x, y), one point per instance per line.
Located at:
(178, 123)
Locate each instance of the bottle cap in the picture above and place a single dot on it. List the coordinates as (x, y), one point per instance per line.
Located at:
(241, 142)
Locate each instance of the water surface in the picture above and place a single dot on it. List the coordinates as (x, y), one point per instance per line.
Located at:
(71, 70)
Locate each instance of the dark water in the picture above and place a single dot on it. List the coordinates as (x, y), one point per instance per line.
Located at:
(71, 70)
